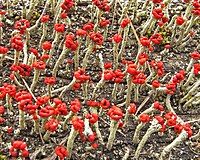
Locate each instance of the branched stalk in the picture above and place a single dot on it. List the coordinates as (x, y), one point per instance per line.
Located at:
(21, 119)
(125, 39)
(191, 75)
(85, 59)
(152, 129)
(101, 82)
(59, 61)
(65, 88)
(182, 137)
(137, 133)
(191, 91)
(66, 120)
(35, 79)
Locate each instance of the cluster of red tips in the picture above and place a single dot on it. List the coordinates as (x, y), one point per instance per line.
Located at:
(158, 67)
(104, 22)
(157, 13)
(116, 76)
(70, 43)
(158, 106)
(93, 117)
(22, 25)
(81, 76)
(75, 106)
(51, 125)
(96, 37)
(23, 69)
(39, 65)
(102, 5)
(19, 146)
(17, 43)
(3, 50)
(144, 118)
(78, 124)
(50, 80)
(67, 5)
(61, 152)
(115, 113)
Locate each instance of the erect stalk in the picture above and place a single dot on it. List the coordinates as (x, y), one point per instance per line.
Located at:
(85, 90)
(21, 119)
(148, 23)
(8, 102)
(99, 13)
(191, 91)
(36, 125)
(1, 32)
(182, 137)
(96, 126)
(35, 79)
(114, 9)
(190, 77)
(66, 120)
(76, 55)
(25, 48)
(85, 59)
(59, 61)
(191, 22)
(114, 91)
(136, 95)
(44, 33)
(125, 39)
(16, 57)
(70, 142)
(31, 8)
(137, 133)
(128, 97)
(155, 127)
(115, 55)
(53, 2)
(46, 135)
(101, 82)
(53, 46)
(49, 90)
(113, 130)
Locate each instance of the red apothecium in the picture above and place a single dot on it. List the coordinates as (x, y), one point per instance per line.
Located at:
(117, 38)
(125, 22)
(46, 46)
(115, 113)
(179, 20)
(61, 152)
(105, 104)
(132, 108)
(144, 118)
(157, 13)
